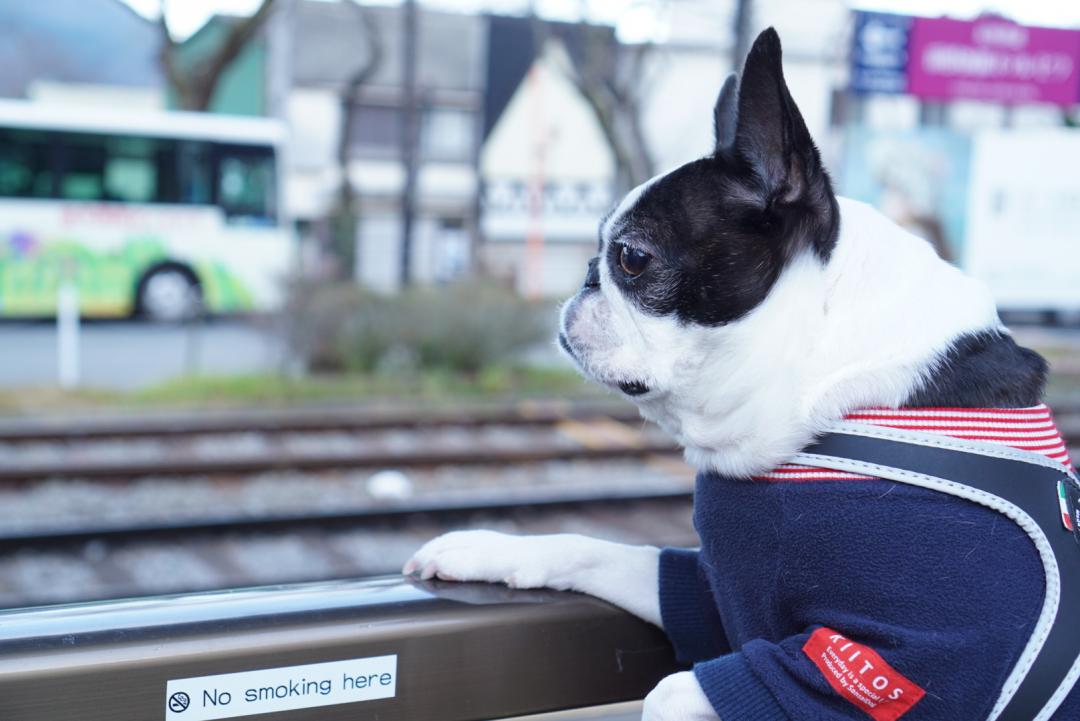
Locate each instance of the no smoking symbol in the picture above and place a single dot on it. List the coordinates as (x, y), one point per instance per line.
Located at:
(179, 701)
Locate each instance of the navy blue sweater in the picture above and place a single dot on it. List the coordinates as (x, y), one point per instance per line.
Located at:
(945, 591)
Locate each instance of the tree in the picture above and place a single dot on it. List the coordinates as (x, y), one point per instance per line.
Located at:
(615, 98)
(194, 82)
(343, 217)
(611, 79)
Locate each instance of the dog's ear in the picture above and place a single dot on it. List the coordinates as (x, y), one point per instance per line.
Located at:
(726, 114)
(772, 139)
(770, 133)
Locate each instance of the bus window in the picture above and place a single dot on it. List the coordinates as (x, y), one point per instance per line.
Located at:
(194, 177)
(245, 184)
(83, 168)
(118, 168)
(131, 170)
(25, 164)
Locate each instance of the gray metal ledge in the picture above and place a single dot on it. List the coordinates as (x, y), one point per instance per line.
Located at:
(463, 651)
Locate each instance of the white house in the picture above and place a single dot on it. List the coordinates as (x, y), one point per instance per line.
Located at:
(547, 180)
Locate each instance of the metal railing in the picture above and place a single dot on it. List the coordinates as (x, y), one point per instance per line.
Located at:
(388, 649)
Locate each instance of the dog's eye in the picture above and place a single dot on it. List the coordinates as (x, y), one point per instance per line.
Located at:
(633, 261)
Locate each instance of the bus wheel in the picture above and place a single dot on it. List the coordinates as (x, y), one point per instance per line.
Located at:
(170, 294)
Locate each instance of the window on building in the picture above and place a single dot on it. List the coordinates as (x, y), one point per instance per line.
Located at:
(377, 128)
(447, 134)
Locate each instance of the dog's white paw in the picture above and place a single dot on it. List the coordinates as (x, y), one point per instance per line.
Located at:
(678, 697)
(517, 561)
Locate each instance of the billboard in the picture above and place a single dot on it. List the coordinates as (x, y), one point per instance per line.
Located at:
(879, 52)
(989, 58)
(918, 177)
(1024, 218)
(982, 202)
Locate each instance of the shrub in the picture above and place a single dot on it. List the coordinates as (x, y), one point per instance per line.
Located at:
(313, 319)
(462, 328)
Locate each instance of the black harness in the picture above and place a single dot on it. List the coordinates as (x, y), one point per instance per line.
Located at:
(1025, 487)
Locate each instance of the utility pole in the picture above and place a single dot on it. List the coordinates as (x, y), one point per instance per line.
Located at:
(539, 131)
(279, 33)
(744, 12)
(410, 139)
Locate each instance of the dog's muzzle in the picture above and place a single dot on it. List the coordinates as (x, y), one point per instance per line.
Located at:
(592, 283)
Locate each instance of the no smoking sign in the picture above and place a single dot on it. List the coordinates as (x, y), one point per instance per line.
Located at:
(179, 701)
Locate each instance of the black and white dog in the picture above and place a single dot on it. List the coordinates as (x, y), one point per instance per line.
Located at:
(745, 309)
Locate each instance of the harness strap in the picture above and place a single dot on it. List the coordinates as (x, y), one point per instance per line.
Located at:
(1023, 486)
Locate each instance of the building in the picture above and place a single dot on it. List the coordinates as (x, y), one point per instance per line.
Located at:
(547, 170)
(514, 170)
(329, 44)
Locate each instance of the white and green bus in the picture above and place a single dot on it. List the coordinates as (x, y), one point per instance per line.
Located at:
(162, 215)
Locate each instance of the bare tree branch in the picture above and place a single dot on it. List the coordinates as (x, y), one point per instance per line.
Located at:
(614, 97)
(195, 85)
(239, 36)
(167, 56)
(615, 100)
(360, 77)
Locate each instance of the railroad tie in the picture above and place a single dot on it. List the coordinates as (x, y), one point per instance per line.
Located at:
(602, 432)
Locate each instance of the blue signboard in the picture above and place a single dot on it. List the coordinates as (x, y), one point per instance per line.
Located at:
(879, 52)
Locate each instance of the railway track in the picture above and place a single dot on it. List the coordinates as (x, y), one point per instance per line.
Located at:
(105, 508)
(232, 446)
(240, 499)
(381, 515)
(124, 469)
(109, 562)
(239, 445)
(178, 425)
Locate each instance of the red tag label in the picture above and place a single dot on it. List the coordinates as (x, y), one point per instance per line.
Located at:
(860, 675)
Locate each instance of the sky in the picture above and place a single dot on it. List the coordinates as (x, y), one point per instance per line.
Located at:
(187, 16)
(636, 18)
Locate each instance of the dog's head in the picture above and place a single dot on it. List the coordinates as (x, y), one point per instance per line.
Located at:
(728, 305)
(692, 252)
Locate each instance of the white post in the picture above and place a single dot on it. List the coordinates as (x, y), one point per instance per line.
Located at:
(67, 333)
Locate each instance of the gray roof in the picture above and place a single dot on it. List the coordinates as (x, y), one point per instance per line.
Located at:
(329, 45)
(75, 41)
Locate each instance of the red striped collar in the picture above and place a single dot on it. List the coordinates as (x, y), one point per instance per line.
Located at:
(1029, 429)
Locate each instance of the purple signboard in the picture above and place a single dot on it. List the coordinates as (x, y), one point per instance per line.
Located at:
(993, 59)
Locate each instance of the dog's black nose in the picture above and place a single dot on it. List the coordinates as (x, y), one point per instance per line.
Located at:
(592, 277)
